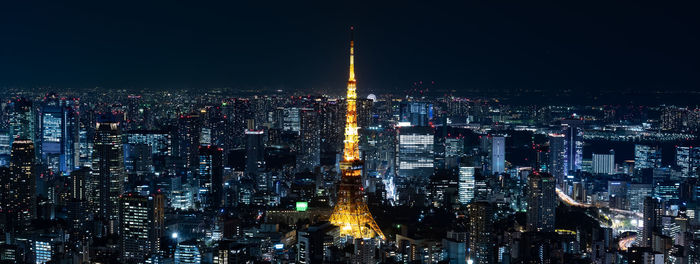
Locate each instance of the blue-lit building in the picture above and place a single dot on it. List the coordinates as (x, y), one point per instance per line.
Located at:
(573, 144)
(498, 155)
(59, 133)
(416, 113)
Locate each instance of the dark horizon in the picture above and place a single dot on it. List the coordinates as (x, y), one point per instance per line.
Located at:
(303, 47)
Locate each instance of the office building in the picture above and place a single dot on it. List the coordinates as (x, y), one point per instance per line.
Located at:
(416, 113)
(187, 252)
(20, 196)
(482, 245)
(573, 144)
(255, 152)
(688, 160)
(557, 158)
(211, 170)
(541, 202)
(309, 153)
(604, 163)
(651, 221)
(646, 157)
(141, 226)
(466, 184)
(498, 155)
(108, 171)
(415, 160)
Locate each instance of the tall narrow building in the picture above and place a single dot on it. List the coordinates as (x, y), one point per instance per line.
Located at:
(108, 171)
(20, 198)
(557, 158)
(211, 171)
(541, 202)
(141, 226)
(309, 155)
(351, 213)
(498, 155)
(481, 236)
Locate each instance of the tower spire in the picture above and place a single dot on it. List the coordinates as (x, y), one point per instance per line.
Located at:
(352, 54)
(350, 212)
(351, 151)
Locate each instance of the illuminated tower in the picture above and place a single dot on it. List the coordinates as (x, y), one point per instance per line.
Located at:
(351, 213)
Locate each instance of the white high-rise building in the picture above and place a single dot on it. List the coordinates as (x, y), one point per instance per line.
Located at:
(498, 155)
(647, 157)
(466, 184)
(604, 163)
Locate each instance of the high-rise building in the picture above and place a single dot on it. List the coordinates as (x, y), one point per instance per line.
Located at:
(637, 193)
(651, 221)
(59, 133)
(454, 148)
(189, 129)
(108, 170)
(646, 157)
(415, 160)
(416, 113)
(5, 148)
(211, 170)
(350, 212)
(541, 202)
(290, 119)
(482, 244)
(309, 154)
(498, 155)
(364, 112)
(20, 196)
(22, 119)
(141, 226)
(557, 158)
(77, 205)
(187, 252)
(604, 163)
(255, 152)
(466, 184)
(573, 144)
(688, 160)
(331, 125)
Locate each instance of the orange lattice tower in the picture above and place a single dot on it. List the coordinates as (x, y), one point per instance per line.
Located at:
(351, 213)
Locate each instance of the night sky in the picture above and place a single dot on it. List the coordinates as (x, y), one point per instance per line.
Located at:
(300, 45)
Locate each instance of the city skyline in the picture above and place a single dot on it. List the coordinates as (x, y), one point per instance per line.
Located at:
(544, 140)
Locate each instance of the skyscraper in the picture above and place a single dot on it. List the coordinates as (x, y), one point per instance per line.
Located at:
(604, 163)
(59, 133)
(498, 155)
(187, 252)
(482, 246)
(688, 160)
(350, 212)
(141, 226)
(20, 198)
(108, 170)
(466, 184)
(211, 172)
(255, 151)
(646, 157)
(650, 221)
(573, 142)
(541, 202)
(415, 160)
(557, 157)
(22, 119)
(309, 154)
(416, 113)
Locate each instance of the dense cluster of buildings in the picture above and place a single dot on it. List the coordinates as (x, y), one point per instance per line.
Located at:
(206, 177)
